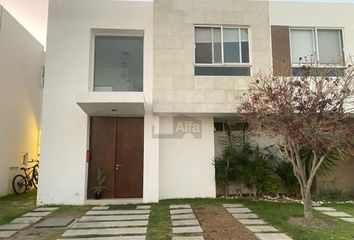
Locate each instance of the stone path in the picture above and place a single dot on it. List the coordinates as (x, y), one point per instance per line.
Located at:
(262, 230)
(185, 225)
(334, 213)
(25, 221)
(101, 223)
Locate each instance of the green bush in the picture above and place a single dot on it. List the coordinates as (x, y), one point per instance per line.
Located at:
(271, 186)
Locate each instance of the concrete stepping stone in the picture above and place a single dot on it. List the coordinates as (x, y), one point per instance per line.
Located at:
(28, 220)
(36, 214)
(55, 222)
(272, 236)
(238, 210)
(100, 208)
(236, 205)
(324, 209)
(45, 209)
(351, 220)
(7, 234)
(113, 218)
(185, 206)
(109, 238)
(110, 224)
(188, 238)
(118, 212)
(245, 216)
(190, 222)
(260, 229)
(181, 230)
(252, 221)
(105, 231)
(183, 216)
(143, 207)
(17, 226)
(337, 214)
(180, 211)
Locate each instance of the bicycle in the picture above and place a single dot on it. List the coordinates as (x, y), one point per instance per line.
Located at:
(21, 182)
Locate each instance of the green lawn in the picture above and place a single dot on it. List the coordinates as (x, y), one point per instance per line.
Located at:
(13, 206)
(159, 227)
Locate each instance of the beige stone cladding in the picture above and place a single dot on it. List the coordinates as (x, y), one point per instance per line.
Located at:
(176, 88)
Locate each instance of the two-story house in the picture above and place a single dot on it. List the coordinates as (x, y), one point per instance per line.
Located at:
(134, 89)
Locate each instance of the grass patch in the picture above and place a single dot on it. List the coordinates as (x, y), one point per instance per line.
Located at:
(13, 206)
(159, 227)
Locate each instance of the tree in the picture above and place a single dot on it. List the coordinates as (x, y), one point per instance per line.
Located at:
(312, 110)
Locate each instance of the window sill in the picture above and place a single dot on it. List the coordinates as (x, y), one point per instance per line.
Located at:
(222, 70)
(222, 65)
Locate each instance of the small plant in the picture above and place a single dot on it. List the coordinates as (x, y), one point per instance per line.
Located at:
(101, 178)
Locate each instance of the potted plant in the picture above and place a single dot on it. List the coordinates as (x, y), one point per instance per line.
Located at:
(98, 189)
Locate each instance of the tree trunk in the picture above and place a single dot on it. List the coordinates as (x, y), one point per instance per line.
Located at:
(308, 206)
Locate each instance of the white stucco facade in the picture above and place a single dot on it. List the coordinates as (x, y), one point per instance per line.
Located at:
(21, 62)
(65, 139)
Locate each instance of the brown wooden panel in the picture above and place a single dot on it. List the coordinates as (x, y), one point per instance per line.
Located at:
(102, 154)
(129, 157)
(281, 51)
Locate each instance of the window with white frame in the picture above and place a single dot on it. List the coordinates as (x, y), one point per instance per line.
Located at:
(316, 46)
(222, 51)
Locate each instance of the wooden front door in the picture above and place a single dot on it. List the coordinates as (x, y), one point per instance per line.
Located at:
(117, 147)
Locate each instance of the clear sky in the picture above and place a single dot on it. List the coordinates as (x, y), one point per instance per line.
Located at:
(32, 14)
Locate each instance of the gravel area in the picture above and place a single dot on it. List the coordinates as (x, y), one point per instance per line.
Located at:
(218, 224)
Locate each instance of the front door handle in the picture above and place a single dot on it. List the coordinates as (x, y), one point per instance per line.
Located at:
(118, 166)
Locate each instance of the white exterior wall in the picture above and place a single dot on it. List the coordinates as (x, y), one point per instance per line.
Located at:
(65, 126)
(336, 15)
(186, 169)
(21, 61)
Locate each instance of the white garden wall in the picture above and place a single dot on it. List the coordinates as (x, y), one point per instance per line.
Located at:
(21, 61)
(186, 169)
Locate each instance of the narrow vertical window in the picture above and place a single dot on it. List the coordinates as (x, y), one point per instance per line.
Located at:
(217, 45)
(245, 46)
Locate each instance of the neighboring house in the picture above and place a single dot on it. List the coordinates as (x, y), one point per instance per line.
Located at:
(325, 32)
(21, 70)
(136, 88)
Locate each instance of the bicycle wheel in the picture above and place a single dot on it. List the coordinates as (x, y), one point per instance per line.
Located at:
(19, 184)
(35, 174)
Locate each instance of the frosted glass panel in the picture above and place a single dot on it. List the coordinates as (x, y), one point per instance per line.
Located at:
(329, 44)
(203, 45)
(302, 46)
(118, 64)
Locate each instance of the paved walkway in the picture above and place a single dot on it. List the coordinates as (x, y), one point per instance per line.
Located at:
(112, 224)
(25, 221)
(185, 225)
(334, 213)
(259, 227)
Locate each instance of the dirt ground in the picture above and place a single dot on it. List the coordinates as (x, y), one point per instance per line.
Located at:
(218, 224)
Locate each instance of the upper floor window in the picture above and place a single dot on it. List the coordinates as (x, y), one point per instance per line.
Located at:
(316, 46)
(118, 64)
(222, 51)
